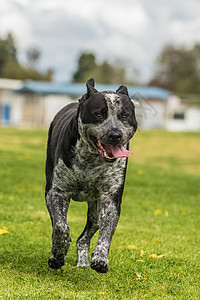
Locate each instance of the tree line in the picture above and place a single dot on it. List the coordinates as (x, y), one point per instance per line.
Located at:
(105, 72)
(10, 67)
(177, 68)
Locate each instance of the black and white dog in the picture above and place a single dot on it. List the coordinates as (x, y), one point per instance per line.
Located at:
(86, 161)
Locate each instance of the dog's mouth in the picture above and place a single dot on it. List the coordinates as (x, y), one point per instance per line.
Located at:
(111, 152)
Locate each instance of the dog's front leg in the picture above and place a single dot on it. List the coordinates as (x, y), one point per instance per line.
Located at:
(57, 204)
(108, 218)
(83, 242)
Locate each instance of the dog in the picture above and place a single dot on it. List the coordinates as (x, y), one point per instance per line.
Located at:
(87, 152)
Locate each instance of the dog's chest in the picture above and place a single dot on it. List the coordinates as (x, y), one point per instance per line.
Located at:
(89, 176)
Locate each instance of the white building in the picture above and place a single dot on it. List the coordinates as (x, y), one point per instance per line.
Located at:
(29, 104)
(34, 104)
(183, 113)
(10, 103)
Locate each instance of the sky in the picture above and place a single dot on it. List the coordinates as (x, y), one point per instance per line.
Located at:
(133, 31)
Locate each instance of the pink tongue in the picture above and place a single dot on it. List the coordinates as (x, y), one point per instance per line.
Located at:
(117, 151)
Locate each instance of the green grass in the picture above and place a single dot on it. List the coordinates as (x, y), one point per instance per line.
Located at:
(163, 177)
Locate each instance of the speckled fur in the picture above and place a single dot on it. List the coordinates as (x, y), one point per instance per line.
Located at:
(100, 130)
(86, 176)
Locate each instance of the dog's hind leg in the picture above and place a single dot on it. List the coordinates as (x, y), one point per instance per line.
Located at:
(57, 204)
(83, 242)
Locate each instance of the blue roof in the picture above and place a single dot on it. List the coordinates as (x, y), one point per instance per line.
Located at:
(78, 89)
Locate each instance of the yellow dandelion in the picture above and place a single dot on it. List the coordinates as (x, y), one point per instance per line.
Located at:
(132, 247)
(140, 172)
(155, 256)
(183, 213)
(3, 231)
(140, 260)
(158, 212)
(166, 213)
(142, 253)
(155, 240)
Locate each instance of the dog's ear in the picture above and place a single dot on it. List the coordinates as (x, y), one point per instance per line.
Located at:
(90, 82)
(90, 90)
(122, 90)
(90, 87)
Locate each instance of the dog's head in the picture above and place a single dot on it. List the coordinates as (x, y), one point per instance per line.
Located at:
(107, 121)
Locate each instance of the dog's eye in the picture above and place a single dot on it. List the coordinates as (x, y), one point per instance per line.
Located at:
(98, 115)
(124, 116)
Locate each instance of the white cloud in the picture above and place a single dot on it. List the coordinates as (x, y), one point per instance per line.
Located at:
(13, 20)
(129, 21)
(134, 31)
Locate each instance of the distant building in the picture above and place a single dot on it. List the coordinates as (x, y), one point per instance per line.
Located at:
(183, 113)
(29, 103)
(34, 104)
(10, 103)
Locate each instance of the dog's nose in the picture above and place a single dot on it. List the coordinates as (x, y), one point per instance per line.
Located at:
(114, 136)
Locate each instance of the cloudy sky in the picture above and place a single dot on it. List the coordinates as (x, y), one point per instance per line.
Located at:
(130, 30)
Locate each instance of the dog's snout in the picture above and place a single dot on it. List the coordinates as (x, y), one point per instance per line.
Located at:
(114, 135)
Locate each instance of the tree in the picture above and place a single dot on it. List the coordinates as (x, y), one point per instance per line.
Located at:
(10, 66)
(178, 69)
(111, 73)
(105, 72)
(8, 51)
(86, 64)
(33, 55)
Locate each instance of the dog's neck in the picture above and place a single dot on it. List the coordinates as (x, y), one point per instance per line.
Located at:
(85, 152)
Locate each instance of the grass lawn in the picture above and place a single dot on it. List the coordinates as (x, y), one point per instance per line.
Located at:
(155, 252)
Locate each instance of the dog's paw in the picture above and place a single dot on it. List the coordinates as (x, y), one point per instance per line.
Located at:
(99, 264)
(55, 263)
(83, 260)
(83, 263)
